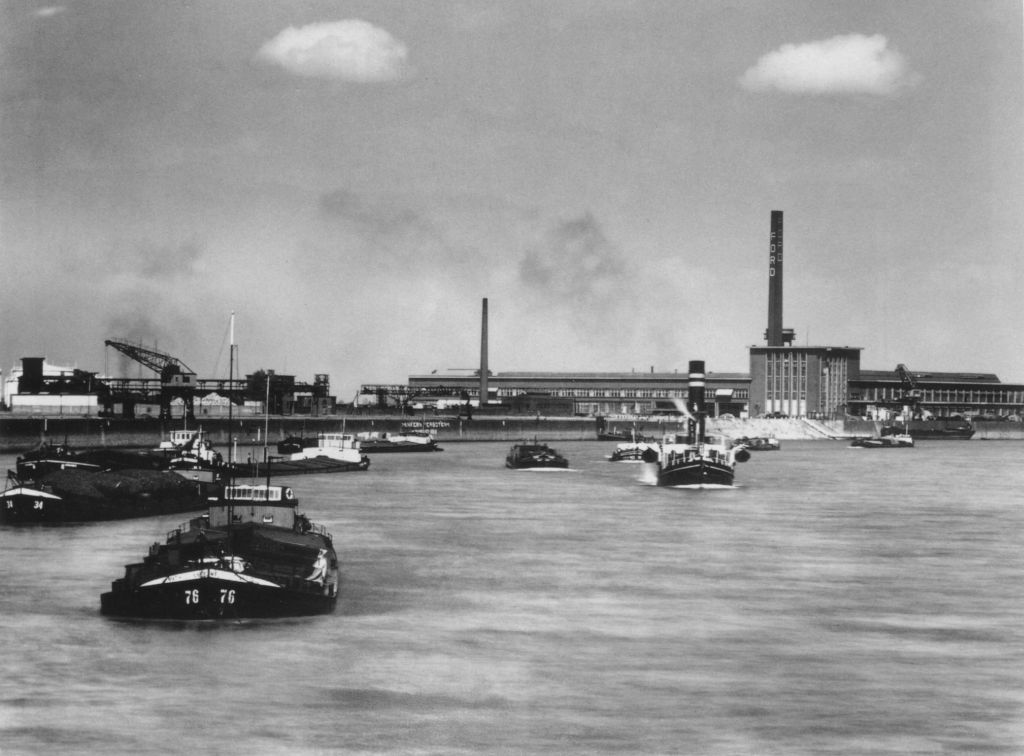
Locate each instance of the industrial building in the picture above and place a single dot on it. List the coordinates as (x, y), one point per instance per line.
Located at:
(820, 382)
(37, 387)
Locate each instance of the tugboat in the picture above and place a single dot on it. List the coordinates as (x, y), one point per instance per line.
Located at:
(695, 460)
(534, 456)
(251, 556)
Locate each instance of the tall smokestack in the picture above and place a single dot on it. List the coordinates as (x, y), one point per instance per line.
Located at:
(774, 334)
(483, 356)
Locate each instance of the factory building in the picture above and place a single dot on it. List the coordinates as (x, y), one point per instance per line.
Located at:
(586, 394)
(794, 381)
(878, 394)
(802, 381)
(820, 382)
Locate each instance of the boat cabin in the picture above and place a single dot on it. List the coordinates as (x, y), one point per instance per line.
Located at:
(336, 441)
(262, 504)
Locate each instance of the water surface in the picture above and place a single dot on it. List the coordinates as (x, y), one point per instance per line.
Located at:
(837, 601)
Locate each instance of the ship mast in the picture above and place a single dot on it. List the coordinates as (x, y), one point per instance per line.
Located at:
(231, 438)
(231, 378)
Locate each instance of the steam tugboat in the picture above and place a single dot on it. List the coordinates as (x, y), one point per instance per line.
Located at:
(534, 456)
(695, 460)
(251, 556)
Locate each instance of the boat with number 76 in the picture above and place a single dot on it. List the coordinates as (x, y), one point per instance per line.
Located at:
(253, 555)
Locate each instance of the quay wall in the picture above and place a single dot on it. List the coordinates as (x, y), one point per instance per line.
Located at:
(19, 433)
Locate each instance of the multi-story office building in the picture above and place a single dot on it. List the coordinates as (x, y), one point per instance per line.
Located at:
(802, 381)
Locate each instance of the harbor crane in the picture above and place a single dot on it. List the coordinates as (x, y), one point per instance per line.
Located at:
(911, 395)
(176, 378)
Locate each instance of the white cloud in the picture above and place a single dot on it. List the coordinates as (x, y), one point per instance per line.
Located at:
(847, 64)
(351, 50)
(49, 11)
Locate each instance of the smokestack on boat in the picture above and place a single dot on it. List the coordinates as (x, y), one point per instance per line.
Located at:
(695, 401)
(483, 356)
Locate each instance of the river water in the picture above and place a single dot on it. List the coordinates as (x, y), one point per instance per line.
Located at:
(837, 601)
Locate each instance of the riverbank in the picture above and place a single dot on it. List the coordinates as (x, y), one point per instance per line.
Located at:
(18, 434)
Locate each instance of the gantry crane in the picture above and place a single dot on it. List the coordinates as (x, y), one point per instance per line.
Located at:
(176, 378)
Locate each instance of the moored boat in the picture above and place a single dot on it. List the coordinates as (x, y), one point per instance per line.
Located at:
(694, 459)
(333, 452)
(534, 456)
(252, 555)
(891, 441)
(384, 442)
(50, 457)
(190, 450)
(935, 429)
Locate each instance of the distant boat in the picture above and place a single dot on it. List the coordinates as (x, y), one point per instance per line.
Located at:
(341, 449)
(252, 555)
(695, 460)
(384, 443)
(935, 429)
(534, 456)
(891, 441)
(637, 449)
(189, 450)
(758, 443)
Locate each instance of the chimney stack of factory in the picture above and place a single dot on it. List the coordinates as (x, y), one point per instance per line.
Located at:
(483, 356)
(775, 332)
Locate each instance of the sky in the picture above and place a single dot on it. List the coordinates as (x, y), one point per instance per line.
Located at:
(352, 179)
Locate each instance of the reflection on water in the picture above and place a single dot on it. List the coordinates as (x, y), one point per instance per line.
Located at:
(837, 601)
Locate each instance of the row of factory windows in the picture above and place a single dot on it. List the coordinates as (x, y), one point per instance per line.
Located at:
(785, 377)
(939, 396)
(618, 393)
